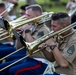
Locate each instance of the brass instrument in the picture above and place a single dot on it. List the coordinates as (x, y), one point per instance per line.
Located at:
(13, 25)
(27, 21)
(4, 32)
(21, 21)
(35, 44)
(41, 19)
(8, 9)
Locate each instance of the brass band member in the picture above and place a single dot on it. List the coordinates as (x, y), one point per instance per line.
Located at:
(6, 45)
(63, 52)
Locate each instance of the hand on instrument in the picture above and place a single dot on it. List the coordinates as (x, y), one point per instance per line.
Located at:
(51, 42)
(42, 46)
(19, 30)
(26, 27)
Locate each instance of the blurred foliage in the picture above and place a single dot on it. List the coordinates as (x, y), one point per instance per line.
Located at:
(48, 5)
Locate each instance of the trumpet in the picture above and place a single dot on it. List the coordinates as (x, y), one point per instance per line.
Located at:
(35, 44)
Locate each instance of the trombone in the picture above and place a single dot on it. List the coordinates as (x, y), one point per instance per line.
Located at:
(13, 25)
(43, 20)
(21, 21)
(35, 44)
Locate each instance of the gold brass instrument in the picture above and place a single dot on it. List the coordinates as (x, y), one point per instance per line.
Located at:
(22, 20)
(13, 25)
(8, 9)
(35, 44)
(2, 30)
(34, 19)
(28, 21)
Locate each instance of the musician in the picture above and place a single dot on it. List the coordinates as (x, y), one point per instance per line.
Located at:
(71, 5)
(2, 9)
(13, 12)
(7, 45)
(30, 33)
(63, 52)
(22, 10)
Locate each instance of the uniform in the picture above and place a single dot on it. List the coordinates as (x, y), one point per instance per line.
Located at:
(68, 48)
(33, 65)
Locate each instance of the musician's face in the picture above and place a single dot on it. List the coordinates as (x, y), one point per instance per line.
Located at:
(22, 12)
(55, 26)
(30, 14)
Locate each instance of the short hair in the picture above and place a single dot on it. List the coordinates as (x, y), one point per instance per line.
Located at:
(35, 7)
(23, 7)
(2, 4)
(62, 18)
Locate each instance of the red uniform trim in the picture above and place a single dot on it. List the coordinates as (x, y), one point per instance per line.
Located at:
(30, 68)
